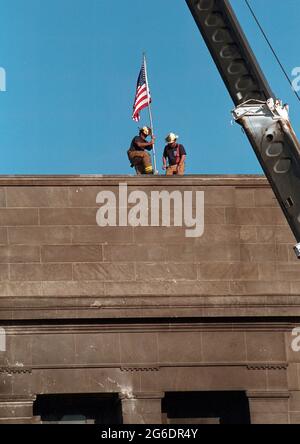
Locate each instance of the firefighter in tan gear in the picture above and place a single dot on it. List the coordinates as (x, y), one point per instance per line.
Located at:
(137, 154)
(175, 154)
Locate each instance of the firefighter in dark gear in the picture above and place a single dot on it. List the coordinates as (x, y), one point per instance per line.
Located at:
(137, 154)
(175, 154)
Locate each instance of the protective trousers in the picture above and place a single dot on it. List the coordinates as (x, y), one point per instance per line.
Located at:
(144, 158)
(175, 169)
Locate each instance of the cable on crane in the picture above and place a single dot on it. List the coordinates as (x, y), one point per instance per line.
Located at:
(272, 49)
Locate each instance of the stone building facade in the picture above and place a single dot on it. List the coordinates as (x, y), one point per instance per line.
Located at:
(142, 324)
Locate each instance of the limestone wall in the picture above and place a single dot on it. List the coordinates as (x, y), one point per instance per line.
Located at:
(51, 249)
(142, 311)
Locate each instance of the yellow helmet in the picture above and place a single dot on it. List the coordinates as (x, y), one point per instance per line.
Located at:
(145, 130)
(171, 138)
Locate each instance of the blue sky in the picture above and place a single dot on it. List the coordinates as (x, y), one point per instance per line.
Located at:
(72, 66)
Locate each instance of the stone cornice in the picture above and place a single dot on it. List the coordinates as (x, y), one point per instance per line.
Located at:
(268, 366)
(140, 368)
(146, 367)
(17, 398)
(141, 395)
(100, 180)
(15, 370)
(123, 327)
(267, 395)
(39, 307)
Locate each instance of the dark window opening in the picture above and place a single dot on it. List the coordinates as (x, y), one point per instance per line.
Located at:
(79, 409)
(205, 408)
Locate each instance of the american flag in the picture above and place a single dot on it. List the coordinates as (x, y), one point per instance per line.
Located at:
(142, 96)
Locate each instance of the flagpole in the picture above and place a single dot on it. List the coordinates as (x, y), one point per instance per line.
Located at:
(150, 112)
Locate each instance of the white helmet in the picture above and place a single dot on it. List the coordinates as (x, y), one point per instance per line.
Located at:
(171, 138)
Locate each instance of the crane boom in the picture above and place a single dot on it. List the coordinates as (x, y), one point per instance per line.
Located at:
(263, 117)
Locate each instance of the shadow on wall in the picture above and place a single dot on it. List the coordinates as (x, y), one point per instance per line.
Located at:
(79, 409)
(206, 408)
